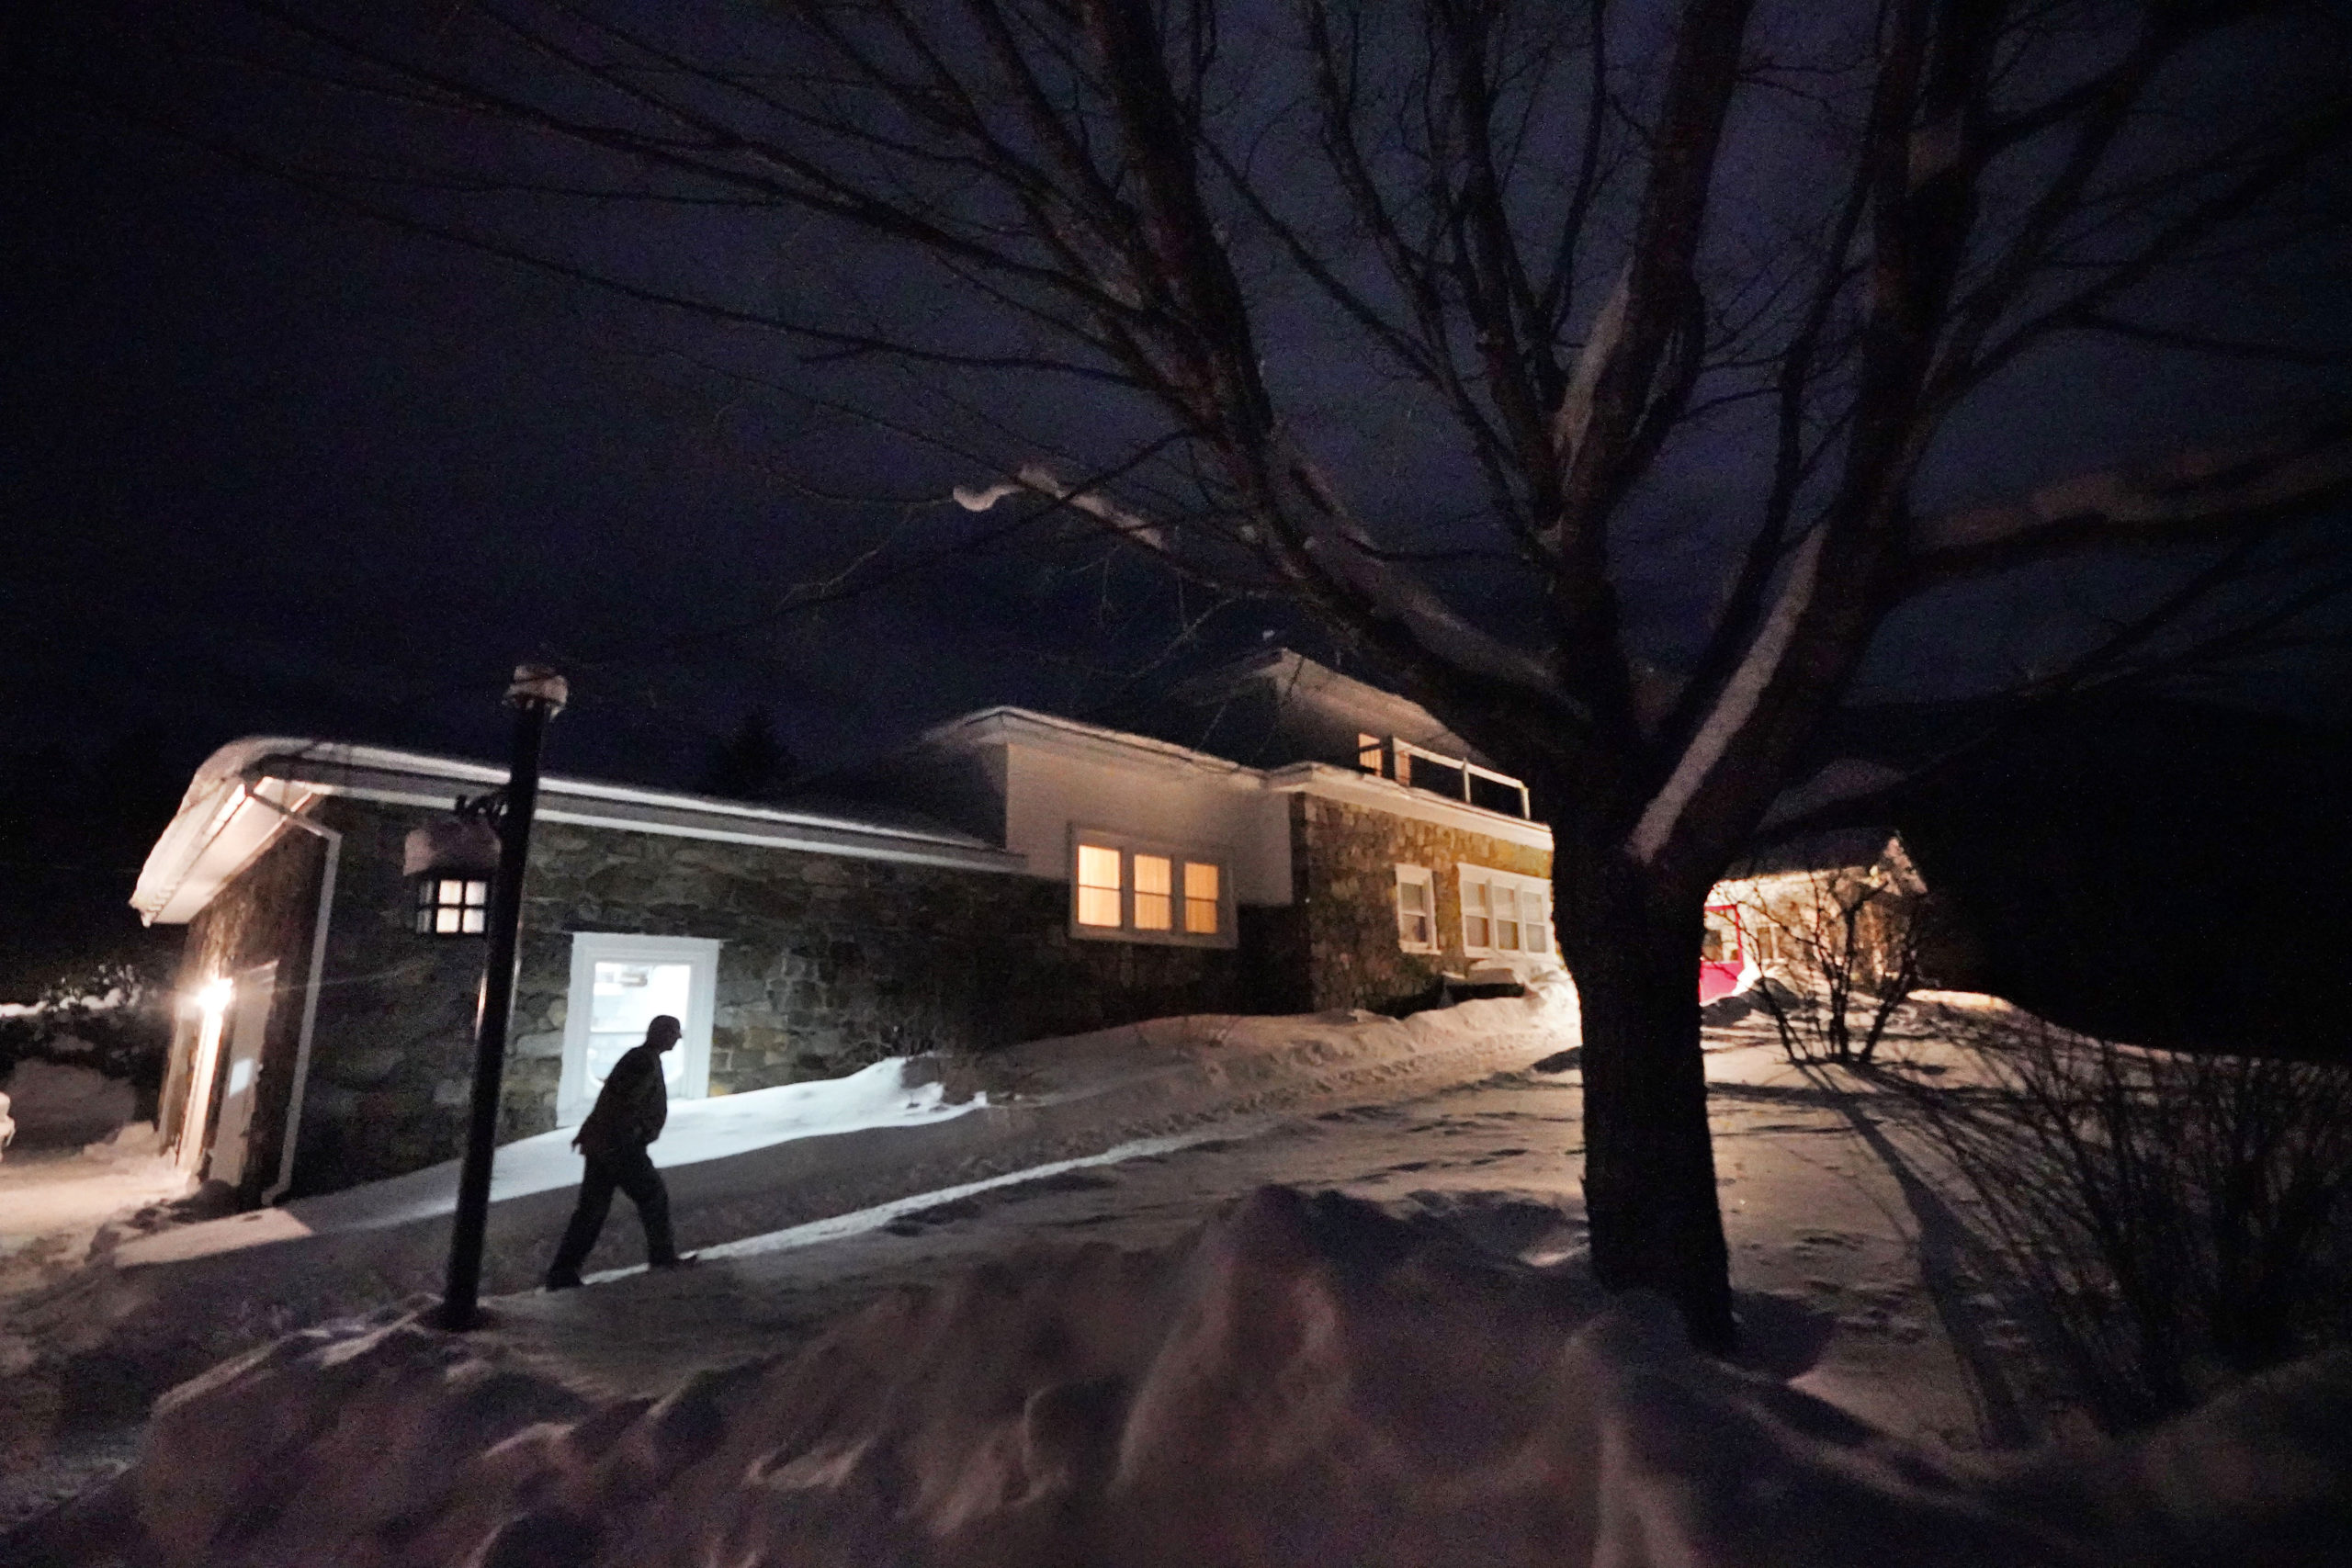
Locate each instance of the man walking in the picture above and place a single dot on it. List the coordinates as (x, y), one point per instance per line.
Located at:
(627, 1118)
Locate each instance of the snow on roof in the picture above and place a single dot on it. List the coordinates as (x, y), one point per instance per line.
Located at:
(1004, 722)
(1839, 848)
(240, 800)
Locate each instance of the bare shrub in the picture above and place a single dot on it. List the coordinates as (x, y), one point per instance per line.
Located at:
(2178, 1220)
(1849, 942)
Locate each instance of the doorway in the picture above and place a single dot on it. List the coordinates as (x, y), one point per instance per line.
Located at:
(248, 1030)
(620, 983)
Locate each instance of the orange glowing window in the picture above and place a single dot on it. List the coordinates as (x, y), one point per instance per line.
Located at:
(1098, 886)
(1154, 892)
(1200, 898)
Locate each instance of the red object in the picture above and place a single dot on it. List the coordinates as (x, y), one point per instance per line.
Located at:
(1720, 977)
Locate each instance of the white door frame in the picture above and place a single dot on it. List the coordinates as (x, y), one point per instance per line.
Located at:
(573, 1094)
(248, 1032)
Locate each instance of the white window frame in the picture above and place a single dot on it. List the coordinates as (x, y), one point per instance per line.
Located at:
(1419, 876)
(1467, 874)
(574, 1095)
(1129, 846)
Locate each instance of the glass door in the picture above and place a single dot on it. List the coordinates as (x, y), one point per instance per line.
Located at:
(620, 984)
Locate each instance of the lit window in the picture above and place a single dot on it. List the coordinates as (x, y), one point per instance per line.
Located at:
(1098, 886)
(1200, 898)
(1416, 909)
(451, 906)
(1154, 892)
(1477, 927)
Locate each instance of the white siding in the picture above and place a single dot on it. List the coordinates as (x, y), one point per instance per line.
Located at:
(1168, 801)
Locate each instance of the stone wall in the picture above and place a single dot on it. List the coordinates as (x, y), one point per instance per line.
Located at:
(830, 963)
(1344, 868)
(392, 1061)
(827, 964)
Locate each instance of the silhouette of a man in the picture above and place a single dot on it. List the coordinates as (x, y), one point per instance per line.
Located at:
(627, 1118)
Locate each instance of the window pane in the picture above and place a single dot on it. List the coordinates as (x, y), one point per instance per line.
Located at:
(1201, 880)
(425, 922)
(1507, 935)
(1154, 883)
(453, 892)
(1473, 930)
(445, 923)
(425, 894)
(476, 893)
(1098, 886)
(477, 920)
(1097, 867)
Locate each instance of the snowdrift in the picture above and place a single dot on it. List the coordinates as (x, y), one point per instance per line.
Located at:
(1305, 1381)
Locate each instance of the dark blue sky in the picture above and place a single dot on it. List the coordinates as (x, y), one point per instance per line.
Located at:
(266, 467)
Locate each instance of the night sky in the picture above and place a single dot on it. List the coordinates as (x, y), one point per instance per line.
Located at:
(269, 466)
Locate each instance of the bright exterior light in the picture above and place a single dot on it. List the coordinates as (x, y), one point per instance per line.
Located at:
(213, 999)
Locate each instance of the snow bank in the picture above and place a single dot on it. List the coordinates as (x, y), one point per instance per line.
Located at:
(57, 1105)
(881, 1095)
(1305, 1381)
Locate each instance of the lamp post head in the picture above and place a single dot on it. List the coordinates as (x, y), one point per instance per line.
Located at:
(538, 683)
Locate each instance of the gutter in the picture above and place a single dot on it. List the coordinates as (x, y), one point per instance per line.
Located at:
(290, 1136)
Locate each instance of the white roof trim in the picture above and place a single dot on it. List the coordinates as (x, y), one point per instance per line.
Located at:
(1071, 738)
(1377, 794)
(1008, 726)
(221, 829)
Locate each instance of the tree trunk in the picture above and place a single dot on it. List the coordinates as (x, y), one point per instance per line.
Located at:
(1649, 1163)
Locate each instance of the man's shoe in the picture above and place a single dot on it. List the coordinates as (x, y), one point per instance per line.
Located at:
(562, 1280)
(687, 1261)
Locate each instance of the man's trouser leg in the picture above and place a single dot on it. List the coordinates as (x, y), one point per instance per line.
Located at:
(596, 1186)
(636, 1176)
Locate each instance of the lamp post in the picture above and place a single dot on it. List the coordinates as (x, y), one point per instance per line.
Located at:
(537, 694)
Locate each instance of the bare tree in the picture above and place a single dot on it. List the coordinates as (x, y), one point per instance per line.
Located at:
(1843, 937)
(1180, 270)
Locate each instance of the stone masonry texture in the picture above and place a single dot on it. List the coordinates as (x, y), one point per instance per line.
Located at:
(1343, 872)
(828, 962)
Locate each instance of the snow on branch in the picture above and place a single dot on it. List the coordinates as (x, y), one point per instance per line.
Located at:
(1334, 543)
(1036, 478)
(1740, 698)
(2213, 488)
(1575, 418)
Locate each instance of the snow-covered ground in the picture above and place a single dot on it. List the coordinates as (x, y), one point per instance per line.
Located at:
(1074, 1324)
(82, 1354)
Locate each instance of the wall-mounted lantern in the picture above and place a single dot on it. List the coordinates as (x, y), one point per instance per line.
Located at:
(451, 864)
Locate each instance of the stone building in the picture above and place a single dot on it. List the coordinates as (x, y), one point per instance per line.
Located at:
(1011, 875)
(1850, 898)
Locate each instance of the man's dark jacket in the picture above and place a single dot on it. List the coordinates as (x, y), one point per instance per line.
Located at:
(631, 1110)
